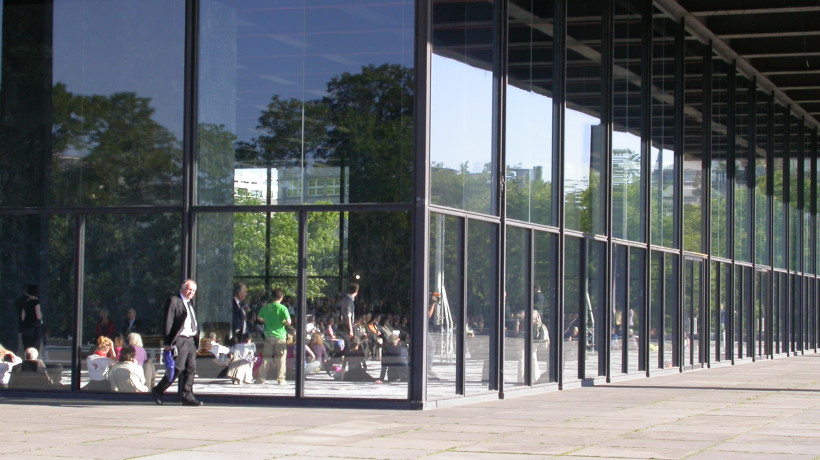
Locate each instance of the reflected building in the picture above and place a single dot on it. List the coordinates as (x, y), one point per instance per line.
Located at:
(529, 194)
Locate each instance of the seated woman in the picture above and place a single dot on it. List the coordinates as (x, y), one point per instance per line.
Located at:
(395, 360)
(320, 357)
(8, 361)
(135, 340)
(240, 368)
(30, 373)
(148, 367)
(127, 376)
(354, 364)
(98, 363)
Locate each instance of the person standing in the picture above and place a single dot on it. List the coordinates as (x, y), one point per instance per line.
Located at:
(348, 308)
(239, 319)
(276, 318)
(181, 336)
(31, 318)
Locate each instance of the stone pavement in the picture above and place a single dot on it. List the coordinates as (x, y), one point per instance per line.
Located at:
(769, 409)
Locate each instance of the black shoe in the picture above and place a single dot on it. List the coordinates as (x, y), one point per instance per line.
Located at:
(191, 402)
(157, 396)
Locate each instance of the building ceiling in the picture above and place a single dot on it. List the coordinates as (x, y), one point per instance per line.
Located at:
(777, 39)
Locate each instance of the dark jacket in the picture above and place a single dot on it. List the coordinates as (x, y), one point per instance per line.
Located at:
(175, 313)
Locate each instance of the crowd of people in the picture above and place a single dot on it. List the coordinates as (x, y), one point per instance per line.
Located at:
(260, 345)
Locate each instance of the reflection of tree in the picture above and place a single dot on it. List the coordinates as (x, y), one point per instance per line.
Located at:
(249, 245)
(363, 126)
(107, 150)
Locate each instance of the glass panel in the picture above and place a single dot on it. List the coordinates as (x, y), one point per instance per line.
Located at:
(595, 334)
(805, 205)
(763, 129)
(620, 312)
(516, 317)
(381, 319)
(574, 300)
(693, 147)
(545, 303)
(305, 102)
(693, 311)
(761, 312)
(583, 151)
(737, 317)
(743, 200)
(636, 318)
(445, 310)
(76, 73)
(145, 249)
(719, 331)
(720, 183)
(261, 254)
(656, 311)
(463, 169)
(779, 198)
(662, 157)
(795, 149)
(796, 335)
(482, 298)
(38, 274)
(627, 198)
(529, 112)
(671, 321)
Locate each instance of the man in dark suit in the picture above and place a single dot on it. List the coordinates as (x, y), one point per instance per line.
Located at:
(182, 334)
(239, 319)
(132, 323)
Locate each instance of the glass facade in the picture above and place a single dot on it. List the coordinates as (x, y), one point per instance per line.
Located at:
(521, 193)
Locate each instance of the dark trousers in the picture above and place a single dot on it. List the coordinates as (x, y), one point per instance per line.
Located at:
(185, 368)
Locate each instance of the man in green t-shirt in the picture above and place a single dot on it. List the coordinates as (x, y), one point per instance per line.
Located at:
(276, 319)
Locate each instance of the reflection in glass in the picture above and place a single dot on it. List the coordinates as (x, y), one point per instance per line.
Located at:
(656, 311)
(595, 333)
(574, 301)
(762, 130)
(627, 207)
(89, 118)
(671, 321)
(743, 199)
(446, 279)
(381, 321)
(144, 248)
(720, 180)
(545, 303)
(516, 317)
(482, 297)
(779, 198)
(38, 282)
(529, 112)
(662, 155)
(305, 102)
(583, 149)
(619, 315)
(462, 167)
(692, 312)
(693, 147)
(635, 317)
(794, 149)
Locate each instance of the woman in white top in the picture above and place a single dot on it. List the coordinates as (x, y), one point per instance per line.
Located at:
(7, 362)
(98, 363)
(240, 369)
